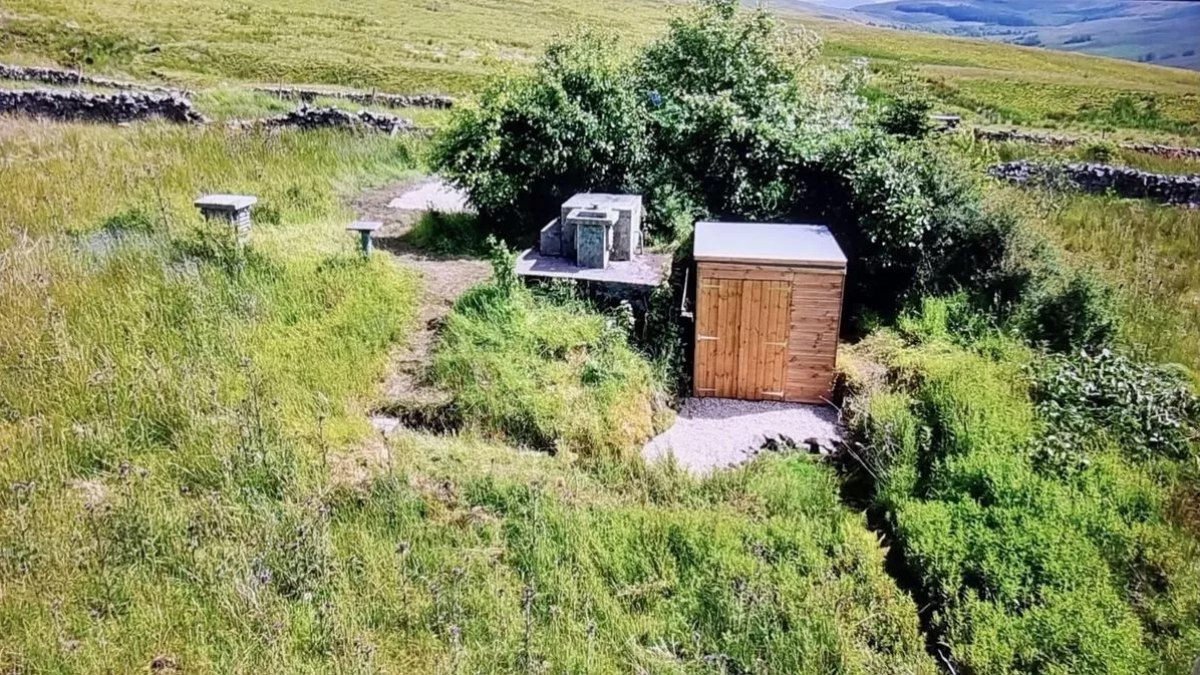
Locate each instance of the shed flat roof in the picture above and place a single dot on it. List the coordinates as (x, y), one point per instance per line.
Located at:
(768, 243)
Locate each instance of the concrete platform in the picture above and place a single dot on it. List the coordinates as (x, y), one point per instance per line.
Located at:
(646, 269)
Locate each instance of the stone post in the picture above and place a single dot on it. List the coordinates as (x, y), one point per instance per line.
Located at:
(232, 209)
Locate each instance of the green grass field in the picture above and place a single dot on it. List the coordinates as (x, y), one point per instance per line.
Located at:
(188, 478)
(191, 483)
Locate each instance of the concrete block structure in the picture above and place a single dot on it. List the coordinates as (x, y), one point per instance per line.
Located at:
(596, 242)
(233, 209)
(593, 235)
(627, 231)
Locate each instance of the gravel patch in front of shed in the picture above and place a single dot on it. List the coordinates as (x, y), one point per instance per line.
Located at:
(717, 433)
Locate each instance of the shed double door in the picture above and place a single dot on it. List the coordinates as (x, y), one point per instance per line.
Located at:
(742, 328)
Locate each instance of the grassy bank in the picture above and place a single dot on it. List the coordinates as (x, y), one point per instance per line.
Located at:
(1039, 543)
(548, 373)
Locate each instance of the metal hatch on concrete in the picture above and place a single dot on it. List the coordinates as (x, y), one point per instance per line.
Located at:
(597, 241)
(768, 310)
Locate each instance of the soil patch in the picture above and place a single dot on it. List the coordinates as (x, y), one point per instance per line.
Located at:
(444, 279)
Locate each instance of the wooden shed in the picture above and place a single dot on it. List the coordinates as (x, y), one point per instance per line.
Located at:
(768, 310)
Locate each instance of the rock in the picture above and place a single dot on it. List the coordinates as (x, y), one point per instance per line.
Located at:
(1102, 178)
(437, 101)
(111, 108)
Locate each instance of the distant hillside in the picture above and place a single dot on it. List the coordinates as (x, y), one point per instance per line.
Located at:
(455, 46)
(1165, 33)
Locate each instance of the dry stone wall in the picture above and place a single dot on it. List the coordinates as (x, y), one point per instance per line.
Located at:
(1101, 178)
(69, 78)
(390, 100)
(1015, 136)
(325, 118)
(110, 108)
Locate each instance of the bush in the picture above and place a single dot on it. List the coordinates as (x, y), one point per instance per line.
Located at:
(727, 116)
(907, 115)
(1067, 310)
(1100, 151)
(1028, 570)
(1148, 408)
(533, 141)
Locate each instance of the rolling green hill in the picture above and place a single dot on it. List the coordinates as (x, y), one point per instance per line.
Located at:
(411, 45)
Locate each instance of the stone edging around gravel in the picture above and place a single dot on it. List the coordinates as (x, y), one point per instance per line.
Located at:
(1057, 141)
(1101, 178)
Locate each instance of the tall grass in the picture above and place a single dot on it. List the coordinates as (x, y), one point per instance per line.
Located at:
(166, 401)
(549, 373)
(1151, 253)
(1024, 568)
(173, 409)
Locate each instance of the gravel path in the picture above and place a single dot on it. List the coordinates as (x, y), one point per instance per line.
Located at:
(715, 433)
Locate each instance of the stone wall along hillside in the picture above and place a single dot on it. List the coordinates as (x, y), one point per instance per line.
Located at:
(1101, 178)
(326, 118)
(69, 78)
(1015, 136)
(437, 101)
(109, 108)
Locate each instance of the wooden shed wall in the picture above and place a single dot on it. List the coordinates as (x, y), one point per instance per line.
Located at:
(813, 340)
(767, 331)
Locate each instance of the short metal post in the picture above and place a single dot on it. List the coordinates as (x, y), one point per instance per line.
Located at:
(366, 230)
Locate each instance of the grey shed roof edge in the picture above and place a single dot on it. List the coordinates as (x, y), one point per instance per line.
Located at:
(767, 243)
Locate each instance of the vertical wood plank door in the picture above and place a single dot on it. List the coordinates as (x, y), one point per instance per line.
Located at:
(742, 337)
(708, 336)
(776, 319)
(816, 323)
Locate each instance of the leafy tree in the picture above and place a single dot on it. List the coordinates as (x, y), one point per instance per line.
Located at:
(729, 116)
(908, 115)
(533, 141)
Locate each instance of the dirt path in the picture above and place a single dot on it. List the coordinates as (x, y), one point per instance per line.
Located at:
(444, 279)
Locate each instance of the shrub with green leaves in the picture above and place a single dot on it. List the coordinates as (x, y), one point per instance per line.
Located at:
(1146, 407)
(729, 115)
(532, 141)
(907, 114)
